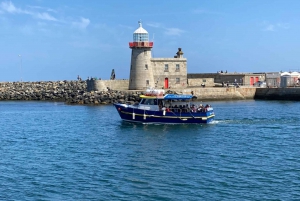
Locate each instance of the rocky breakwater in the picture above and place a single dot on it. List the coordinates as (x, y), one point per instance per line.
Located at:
(108, 97)
(45, 90)
(71, 92)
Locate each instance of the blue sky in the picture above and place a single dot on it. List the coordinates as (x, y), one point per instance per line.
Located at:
(58, 40)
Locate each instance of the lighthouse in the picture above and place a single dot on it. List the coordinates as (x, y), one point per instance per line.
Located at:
(141, 70)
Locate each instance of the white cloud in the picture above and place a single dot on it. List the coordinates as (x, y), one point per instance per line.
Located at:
(9, 7)
(43, 8)
(45, 16)
(274, 27)
(270, 27)
(82, 24)
(155, 25)
(168, 31)
(173, 31)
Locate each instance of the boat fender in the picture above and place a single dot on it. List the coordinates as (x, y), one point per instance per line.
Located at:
(144, 116)
(133, 115)
(164, 112)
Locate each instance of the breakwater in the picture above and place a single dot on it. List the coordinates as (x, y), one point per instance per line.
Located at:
(72, 92)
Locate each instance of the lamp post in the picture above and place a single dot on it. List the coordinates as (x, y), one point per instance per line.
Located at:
(20, 66)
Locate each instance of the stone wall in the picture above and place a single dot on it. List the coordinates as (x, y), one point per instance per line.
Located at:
(196, 82)
(104, 85)
(220, 93)
(292, 93)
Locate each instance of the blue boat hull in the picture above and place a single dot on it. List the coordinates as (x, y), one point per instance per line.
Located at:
(146, 116)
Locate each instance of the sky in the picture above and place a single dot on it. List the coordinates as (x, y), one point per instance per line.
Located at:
(50, 40)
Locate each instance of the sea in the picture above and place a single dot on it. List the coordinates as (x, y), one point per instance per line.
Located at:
(54, 151)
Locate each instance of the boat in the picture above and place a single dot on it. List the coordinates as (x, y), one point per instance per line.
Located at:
(157, 107)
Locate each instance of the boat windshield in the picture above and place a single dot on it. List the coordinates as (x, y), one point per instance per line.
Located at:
(149, 101)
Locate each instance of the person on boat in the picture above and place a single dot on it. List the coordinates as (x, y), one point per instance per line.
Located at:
(193, 108)
(184, 109)
(200, 108)
(168, 109)
(175, 108)
(180, 108)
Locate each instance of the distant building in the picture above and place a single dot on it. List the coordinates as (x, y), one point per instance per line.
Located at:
(244, 79)
(147, 72)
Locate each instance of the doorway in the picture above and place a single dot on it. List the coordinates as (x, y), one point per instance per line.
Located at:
(166, 83)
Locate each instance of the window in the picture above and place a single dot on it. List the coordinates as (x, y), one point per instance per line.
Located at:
(147, 82)
(146, 66)
(177, 67)
(177, 80)
(166, 67)
(204, 80)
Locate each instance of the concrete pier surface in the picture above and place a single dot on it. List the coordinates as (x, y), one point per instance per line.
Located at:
(75, 92)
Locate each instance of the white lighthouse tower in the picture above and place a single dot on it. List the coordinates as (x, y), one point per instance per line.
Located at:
(141, 74)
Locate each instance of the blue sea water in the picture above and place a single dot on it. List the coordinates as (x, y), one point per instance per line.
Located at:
(54, 151)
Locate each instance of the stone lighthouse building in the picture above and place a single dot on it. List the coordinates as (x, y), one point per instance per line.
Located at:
(141, 73)
(146, 71)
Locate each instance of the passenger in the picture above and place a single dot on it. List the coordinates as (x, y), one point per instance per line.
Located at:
(184, 109)
(168, 109)
(175, 108)
(180, 108)
(200, 109)
(194, 109)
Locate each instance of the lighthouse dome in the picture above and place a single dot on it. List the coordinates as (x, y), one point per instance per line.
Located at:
(140, 34)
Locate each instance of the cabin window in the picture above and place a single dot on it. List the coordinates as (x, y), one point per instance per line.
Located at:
(177, 80)
(166, 67)
(149, 101)
(177, 67)
(147, 82)
(146, 66)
